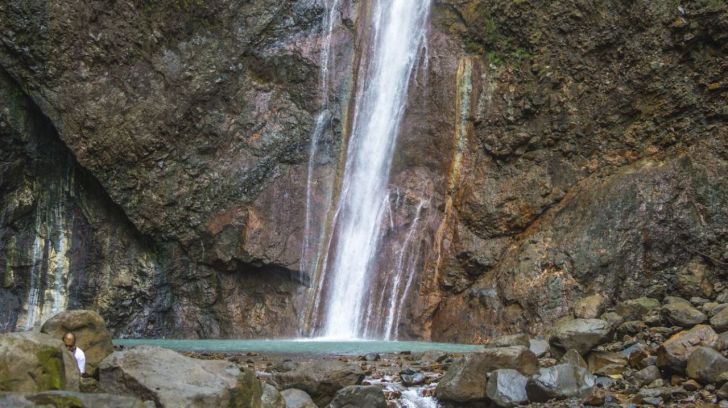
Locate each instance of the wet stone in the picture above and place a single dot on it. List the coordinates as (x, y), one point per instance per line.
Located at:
(507, 388)
(558, 382)
(411, 377)
(647, 375)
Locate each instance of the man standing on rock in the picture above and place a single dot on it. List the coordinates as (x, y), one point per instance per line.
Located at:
(69, 339)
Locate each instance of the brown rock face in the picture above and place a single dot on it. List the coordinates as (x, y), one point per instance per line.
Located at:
(549, 151)
(90, 331)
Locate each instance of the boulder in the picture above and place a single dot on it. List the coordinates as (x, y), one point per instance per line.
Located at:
(647, 375)
(673, 354)
(636, 355)
(295, 398)
(173, 380)
(466, 380)
(359, 396)
(321, 379)
(32, 362)
(411, 377)
(90, 331)
(539, 347)
(507, 388)
(683, 314)
(559, 381)
(509, 340)
(706, 365)
(271, 398)
(708, 308)
(723, 392)
(614, 319)
(597, 360)
(580, 334)
(573, 357)
(631, 327)
(635, 309)
(69, 399)
(720, 320)
(590, 307)
(722, 342)
(675, 299)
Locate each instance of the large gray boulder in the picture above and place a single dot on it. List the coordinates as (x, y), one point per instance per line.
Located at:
(580, 334)
(90, 331)
(674, 352)
(706, 365)
(359, 396)
(321, 379)
(69, 399)
(559, 381)
(32, 362)
(466, 380)
(173, 380)
(295, 398)
(271, 397)
(507, 388)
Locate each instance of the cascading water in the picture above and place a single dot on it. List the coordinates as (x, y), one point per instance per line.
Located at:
(398, 32)
(49, 272)
(310, 254)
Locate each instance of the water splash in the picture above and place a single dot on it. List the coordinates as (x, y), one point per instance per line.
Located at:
(399, 28)
(406, 263)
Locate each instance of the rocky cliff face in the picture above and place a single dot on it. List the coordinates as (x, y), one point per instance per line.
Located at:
(154, 158)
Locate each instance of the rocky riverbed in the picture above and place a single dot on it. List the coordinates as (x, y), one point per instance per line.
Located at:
(644, 352)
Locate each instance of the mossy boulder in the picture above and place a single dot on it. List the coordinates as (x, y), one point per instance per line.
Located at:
(90, 331)
(69, 399)
(31, 362)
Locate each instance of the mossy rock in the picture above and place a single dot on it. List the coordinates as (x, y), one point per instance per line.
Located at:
(31, 362)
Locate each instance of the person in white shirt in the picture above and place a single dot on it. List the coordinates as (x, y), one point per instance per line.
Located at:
(70, 341)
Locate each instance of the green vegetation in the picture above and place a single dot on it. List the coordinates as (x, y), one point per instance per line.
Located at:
(486, 35)
(493, 58)
(520, 54)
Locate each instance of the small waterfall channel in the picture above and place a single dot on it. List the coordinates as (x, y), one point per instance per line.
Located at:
(397, 35)
(49, 262)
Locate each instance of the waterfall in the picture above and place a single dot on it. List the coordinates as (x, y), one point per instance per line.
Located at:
(49, 258)
(397, 35)
(310, 253)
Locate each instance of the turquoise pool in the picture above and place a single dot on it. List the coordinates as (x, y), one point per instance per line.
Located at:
(301, 346)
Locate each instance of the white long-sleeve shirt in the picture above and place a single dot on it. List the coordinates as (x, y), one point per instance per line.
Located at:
(80, 357)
